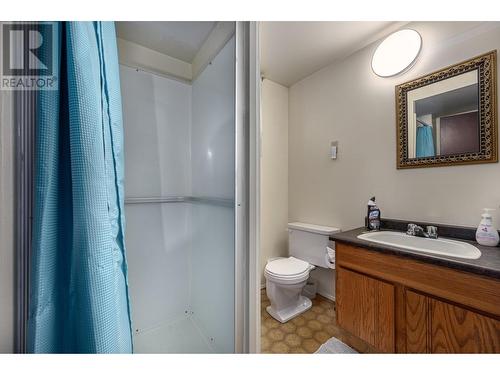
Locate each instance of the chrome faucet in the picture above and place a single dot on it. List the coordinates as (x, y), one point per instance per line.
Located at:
(416, 230)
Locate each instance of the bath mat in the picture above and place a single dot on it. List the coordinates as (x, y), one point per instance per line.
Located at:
(335, 346)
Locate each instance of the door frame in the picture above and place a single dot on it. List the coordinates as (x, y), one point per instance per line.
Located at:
(8, 295)
(22, 105)
(247, 188)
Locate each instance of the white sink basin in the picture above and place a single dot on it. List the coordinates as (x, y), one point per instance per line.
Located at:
(439, 246)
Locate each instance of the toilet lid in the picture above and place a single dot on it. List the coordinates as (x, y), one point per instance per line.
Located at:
(287, 267)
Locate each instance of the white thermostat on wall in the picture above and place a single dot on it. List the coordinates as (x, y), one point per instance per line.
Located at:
(333, 149)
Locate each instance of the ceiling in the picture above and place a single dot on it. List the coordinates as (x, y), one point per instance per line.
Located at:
(291, 51)
(181, 40)
(454, 101)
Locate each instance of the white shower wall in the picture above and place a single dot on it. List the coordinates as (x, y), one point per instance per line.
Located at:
(157, 122)
(157, 118)
(179, 141)
(213, 168)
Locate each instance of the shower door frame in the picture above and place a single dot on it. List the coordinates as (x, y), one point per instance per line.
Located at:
(23, 107)
(239, 187)
(247, 188)
(8, 244)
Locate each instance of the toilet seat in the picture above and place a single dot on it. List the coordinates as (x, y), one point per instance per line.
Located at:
(287, 270)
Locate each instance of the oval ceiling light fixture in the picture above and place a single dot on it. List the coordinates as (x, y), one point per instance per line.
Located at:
(397, 53)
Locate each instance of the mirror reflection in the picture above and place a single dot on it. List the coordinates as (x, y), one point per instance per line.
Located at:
(443, 117)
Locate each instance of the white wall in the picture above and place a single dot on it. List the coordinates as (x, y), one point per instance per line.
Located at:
(212, 136)
(179, 141)
(135, 55)
(215, 42)
(273, 173)
(212, 148)
(157, 121)
(348, 103)
(138, 56)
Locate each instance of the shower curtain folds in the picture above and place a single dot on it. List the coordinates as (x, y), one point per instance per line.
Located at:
(425, 142)
(79, 293)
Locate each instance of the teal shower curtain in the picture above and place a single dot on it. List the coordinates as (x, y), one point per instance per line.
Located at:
(79, 295)
(425, 141)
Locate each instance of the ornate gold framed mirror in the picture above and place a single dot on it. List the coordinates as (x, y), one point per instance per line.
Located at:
(449, 117)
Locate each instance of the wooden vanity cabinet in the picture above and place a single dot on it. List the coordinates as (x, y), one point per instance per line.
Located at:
(399, 305)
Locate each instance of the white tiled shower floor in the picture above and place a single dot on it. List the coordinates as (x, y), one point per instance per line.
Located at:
(179, 336)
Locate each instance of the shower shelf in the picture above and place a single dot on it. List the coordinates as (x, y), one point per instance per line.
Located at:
(180, 199)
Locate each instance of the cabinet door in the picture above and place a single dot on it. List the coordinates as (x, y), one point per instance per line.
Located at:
(458, 330)
(435, 326)
(417, 322)
(365, 308)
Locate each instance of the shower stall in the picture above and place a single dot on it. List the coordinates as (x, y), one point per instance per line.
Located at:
(188, 150)
(181, 206)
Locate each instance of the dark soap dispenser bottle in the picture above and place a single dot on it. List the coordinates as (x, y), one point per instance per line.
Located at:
(373, 215)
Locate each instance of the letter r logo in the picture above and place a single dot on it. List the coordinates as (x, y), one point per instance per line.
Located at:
(27, 49)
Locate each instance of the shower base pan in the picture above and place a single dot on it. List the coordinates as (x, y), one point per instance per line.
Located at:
(179, 336)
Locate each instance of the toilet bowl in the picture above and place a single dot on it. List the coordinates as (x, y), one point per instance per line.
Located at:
(285, 279)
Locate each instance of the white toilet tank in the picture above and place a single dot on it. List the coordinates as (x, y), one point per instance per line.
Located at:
(309, 241)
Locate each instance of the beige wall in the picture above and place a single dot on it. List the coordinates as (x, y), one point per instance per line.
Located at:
(274, 172)
(348, 103)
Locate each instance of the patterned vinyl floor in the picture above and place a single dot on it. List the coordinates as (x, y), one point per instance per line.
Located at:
(306, 332)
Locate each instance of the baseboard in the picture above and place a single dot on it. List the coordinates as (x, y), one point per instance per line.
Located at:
(322, 294)
(327, 296)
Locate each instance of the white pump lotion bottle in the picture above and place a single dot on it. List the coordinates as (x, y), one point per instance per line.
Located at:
(486, 233)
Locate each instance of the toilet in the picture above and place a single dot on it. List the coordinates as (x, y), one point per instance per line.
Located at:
(286, 277)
